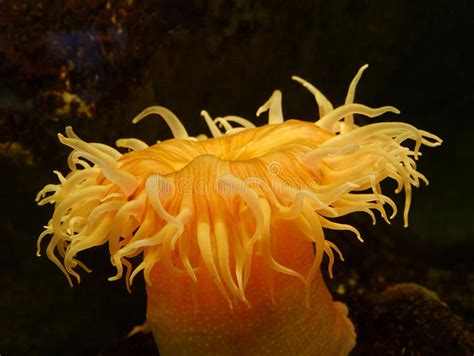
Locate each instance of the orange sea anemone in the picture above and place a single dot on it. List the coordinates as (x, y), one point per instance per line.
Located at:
(231, 228)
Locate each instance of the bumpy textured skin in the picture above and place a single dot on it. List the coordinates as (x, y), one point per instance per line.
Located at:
(190, 318)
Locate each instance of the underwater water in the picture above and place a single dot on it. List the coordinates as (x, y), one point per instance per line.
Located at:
(94, 65)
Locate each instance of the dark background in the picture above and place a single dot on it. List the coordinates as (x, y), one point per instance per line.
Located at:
(226, 57)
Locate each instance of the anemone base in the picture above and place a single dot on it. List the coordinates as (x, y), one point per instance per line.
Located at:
(203, 323)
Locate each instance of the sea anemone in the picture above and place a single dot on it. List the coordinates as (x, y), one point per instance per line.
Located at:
(231, 228)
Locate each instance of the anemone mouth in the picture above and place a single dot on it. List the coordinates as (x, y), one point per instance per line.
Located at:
(247, 145)
(214, 205)
(260, 141)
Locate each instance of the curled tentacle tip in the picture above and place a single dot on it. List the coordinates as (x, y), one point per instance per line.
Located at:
(393, 109)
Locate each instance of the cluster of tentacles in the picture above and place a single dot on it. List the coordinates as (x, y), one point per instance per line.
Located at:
(194, 203)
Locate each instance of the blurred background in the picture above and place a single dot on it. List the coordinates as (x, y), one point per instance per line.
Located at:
(95, 64)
